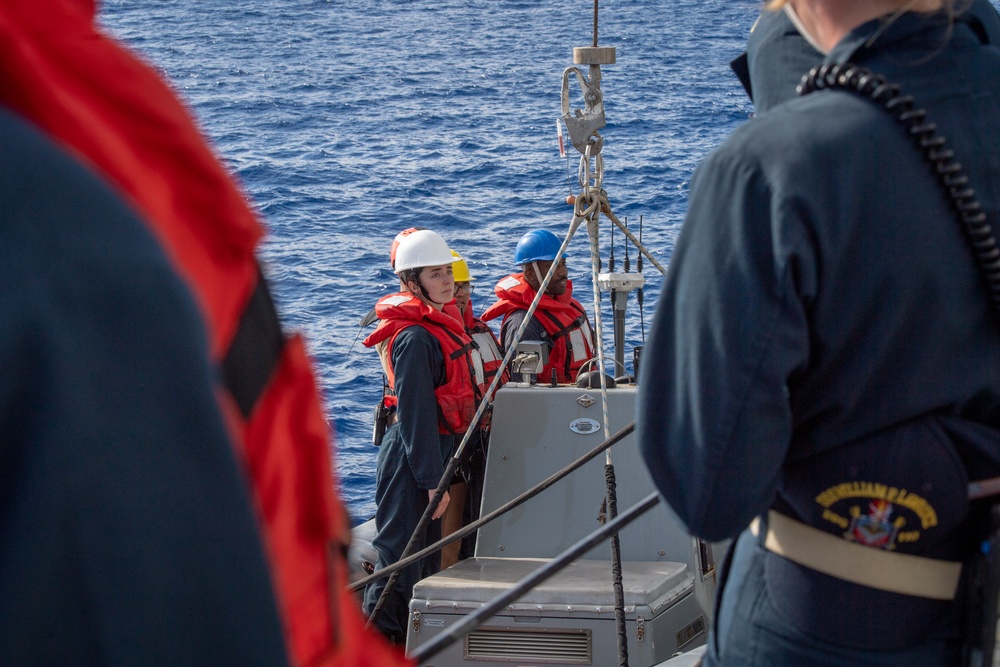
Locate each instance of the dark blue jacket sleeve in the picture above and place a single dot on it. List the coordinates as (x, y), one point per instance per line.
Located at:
(729, 330)
(127, 534)
(419, 366)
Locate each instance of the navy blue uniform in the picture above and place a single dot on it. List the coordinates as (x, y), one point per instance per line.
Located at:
(823, 343)
(411, 461)
(778, 56)
(127, 534)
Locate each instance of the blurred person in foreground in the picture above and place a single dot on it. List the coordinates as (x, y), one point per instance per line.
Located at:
(828, 356)
(128, 534)
(778, 55)
(82, 482)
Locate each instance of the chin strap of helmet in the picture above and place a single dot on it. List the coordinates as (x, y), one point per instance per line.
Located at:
(538, 274)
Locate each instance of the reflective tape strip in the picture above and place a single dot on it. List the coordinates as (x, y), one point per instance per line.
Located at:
(866, 566)
(487, 348)
(579, 347)
(477, 365)
(508, 282)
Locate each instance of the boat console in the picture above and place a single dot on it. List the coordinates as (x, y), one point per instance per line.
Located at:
(668, 577)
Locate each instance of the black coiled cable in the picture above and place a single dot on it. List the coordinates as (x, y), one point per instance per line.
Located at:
(616, 567)
(933, 147)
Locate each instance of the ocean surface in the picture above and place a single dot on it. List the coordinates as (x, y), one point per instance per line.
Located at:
(346, 122)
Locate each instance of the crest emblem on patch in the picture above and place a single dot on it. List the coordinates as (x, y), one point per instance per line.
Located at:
(875, 529)
(876, 515)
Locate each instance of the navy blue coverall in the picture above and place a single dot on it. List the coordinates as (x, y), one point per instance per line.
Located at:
(777, 56)
(823, 323)
(411, 461)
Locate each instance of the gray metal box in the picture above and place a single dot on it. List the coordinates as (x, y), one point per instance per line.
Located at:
(567, 620)
(538, 430)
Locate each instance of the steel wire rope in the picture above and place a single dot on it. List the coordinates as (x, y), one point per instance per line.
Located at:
(595, 22)
(472, 621)
(498, 512)
(611, 493)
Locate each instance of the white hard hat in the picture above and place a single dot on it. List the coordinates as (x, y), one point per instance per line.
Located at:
(422, 248)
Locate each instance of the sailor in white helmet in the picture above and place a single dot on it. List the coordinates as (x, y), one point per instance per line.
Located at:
(437, 375)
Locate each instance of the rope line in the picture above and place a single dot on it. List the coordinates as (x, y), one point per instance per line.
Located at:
(503, 509)
(478, 617)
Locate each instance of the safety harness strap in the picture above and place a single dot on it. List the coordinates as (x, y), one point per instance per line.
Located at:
(563, 332)
(463, 350)
(883, 570)
(255, 349)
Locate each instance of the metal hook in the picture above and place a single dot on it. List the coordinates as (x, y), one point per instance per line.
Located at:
(584, 123)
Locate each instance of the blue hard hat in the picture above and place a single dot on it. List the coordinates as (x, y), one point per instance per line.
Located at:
(537, 245)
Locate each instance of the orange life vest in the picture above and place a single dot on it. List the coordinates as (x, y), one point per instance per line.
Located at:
(489, 347)
(563, 318)
(92, 96)
(464, 382)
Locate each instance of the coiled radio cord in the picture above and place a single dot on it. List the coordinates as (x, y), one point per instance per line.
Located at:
(950, 174)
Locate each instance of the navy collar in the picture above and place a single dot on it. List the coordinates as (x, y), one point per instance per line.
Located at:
(915, 33)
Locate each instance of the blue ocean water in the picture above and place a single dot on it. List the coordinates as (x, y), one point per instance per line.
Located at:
(347, 122)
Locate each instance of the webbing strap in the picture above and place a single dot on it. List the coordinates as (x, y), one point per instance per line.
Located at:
(563, 332)
(883, 570)
(462, 351)
(255, 349)
(463, 347)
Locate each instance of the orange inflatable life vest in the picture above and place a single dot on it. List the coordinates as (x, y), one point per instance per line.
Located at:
(563, 318)
(464, 382)
(489, 347)
(92, 96)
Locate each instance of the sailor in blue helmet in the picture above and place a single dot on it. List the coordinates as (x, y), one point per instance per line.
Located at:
(559, 321)
(828, 357)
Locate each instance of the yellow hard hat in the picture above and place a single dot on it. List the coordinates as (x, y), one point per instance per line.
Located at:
(459, 269)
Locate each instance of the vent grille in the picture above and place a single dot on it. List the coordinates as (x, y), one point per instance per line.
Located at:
(563, 647)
